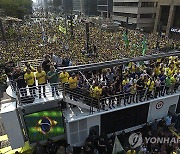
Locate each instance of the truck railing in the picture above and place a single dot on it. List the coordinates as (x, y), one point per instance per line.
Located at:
(30, 94)
(119, 99)
(82, 96)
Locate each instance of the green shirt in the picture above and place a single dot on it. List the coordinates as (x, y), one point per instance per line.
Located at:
(54, 78)
(168, 81)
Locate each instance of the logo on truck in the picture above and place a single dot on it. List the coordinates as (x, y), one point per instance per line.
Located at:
(159, 105)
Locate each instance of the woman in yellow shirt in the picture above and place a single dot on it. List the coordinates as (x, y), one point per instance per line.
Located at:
(41, 78)
(64, 76)
(73, 81)
(30, 80)
(150, 88)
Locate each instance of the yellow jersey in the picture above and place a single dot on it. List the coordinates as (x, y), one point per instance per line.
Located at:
(29, 78)
(97, 92)
(150, 84)
(173, 80)
(125, 81)
(73, 83)
(64, 77)
(92, 92)
(41, 77)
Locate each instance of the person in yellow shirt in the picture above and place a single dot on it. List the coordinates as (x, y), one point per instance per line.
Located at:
(125, 81)
(73, 81)
(157, 70)
(28, 65)
(41, 78)
(173, 82)
(30, 80)
(150, 88)
(133, 90)
(64, 76)
(98, 91)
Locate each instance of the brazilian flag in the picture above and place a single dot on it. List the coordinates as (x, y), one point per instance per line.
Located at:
(144, 46)
(125, 38)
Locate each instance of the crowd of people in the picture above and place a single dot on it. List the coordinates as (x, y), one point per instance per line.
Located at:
(39, 36)
(131, 83)
(120, 85)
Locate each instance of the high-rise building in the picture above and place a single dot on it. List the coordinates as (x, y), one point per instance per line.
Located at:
(105, 7)
(168, 17)
(141, 13)
(67, 5)
(87, 7)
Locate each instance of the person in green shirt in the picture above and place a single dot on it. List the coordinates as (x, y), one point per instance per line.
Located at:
(53, 77)
(167, 84)
(173, 82)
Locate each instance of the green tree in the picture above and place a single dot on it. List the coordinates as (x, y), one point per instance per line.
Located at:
(16, 8)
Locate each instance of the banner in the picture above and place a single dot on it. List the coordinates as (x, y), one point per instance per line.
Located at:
(175, 30)
(62, 29)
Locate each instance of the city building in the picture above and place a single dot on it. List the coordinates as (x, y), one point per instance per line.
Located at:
(67, 5)
(87, 7)
(168, 17)
(141, 13)
(105, 8)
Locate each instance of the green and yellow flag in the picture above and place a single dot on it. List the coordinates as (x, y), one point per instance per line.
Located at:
(144, 46)
(62, 29)
(125, 38)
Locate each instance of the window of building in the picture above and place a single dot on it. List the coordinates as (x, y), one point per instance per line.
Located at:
(149, 15)
(102, 2)
(147, 4)
(176, 22)
(164, 14)
(102, 8)
(125, 14)
(133, 4)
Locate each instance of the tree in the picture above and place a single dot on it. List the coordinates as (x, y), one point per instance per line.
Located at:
(16, 8)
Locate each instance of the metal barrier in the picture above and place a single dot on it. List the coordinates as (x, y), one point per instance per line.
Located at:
(35, 63)
(25, 95)
(126, 98)
(82, 95)
(30, 93)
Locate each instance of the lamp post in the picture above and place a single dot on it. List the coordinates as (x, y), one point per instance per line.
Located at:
(71, 22)
(87, 36)
(2, 30)
(159, 35)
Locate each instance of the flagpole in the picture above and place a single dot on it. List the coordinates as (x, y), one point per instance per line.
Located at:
(143, 71)
(127, 21)
(66, 26)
